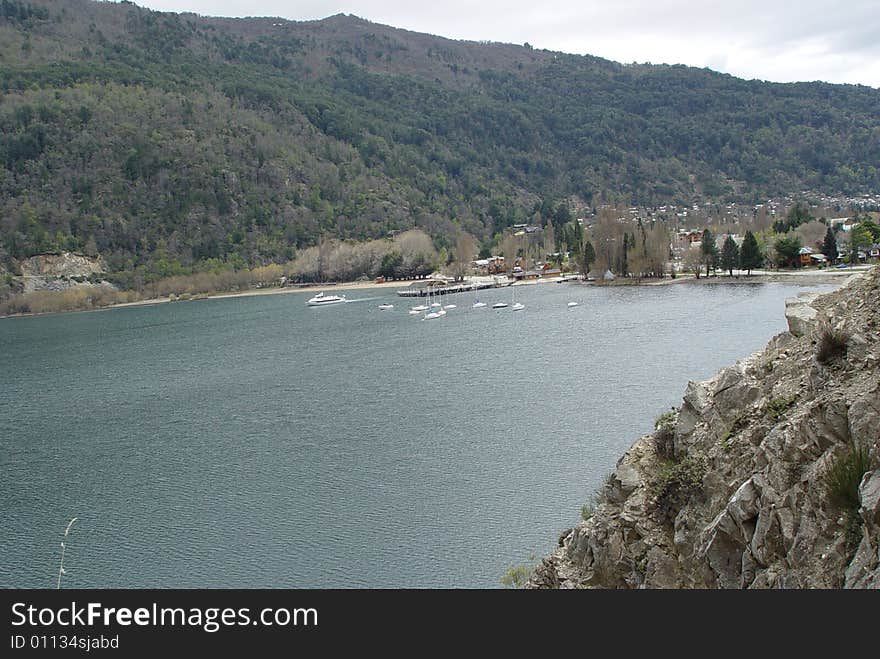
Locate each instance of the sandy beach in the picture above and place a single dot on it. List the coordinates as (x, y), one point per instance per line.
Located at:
(303, 288)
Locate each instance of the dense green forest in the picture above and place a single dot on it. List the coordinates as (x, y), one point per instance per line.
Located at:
(168, 143)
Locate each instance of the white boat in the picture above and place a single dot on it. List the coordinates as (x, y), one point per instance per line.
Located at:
(420, 308)
(499, 305)
(386, 307)
(477, 304)
(449, 306)
(517, 306)
(572, 304)
(432, 309)
(413, 312)
(321, 300)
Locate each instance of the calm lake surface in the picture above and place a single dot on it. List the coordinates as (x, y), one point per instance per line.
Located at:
(254, 442)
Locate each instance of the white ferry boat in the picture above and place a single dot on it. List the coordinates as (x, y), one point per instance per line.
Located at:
(321, 300)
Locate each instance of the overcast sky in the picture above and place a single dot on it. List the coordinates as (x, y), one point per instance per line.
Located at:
(782, 41)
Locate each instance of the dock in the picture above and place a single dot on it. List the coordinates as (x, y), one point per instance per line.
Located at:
(425, 290)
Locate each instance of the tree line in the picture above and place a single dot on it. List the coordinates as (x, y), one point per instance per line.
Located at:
(781, 245)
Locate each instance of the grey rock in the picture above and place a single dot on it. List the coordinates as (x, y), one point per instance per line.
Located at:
(862, 571)
(696, 400)
(802, 318)
(767, 544)
(624, 480)
(662, 571)
(863, 416)
(869, 496)
(857, 348)
(748, 571)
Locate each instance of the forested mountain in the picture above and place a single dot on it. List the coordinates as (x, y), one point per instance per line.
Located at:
(164, 142)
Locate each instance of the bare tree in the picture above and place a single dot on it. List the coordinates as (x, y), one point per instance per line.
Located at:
(509, 250)
(762, 220)
(417, 250)
(656, 249)
(307, 265)
(324, 248)
(693, 261)
(812, 233)
(607, 239)
(549, 240)
(465, 250)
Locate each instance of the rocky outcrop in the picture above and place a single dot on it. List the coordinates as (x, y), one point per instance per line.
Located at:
(58, 272)
(733, 490)
(800, 314)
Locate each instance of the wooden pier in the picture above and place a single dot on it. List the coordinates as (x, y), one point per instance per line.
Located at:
(450, 289)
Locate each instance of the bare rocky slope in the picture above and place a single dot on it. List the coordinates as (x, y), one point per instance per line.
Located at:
(58, 272)
(732, 489)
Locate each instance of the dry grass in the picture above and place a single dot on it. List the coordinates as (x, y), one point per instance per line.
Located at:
(73, 299)
(831, 346)
(845, 475)
(80, 298)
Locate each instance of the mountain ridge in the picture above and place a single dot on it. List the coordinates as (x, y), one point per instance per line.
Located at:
(149, 137)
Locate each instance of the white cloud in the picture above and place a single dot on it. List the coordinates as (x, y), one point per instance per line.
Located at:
(835, 41)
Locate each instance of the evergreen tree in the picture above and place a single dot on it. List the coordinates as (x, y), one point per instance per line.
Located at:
(873, 228)
(621, 263)
(788, 250)
(859, 237)
(797, 215)
(729, 255)
(709, 251)
(829, 246)
(587, 257)
(579, 246)
(750, 255)
(562, 214)
(392, 264)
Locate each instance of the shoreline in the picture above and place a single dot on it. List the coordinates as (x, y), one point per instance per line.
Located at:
(807, 277)
(275, 290)
(769, 276)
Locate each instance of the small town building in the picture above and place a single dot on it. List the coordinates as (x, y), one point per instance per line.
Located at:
(806, 253)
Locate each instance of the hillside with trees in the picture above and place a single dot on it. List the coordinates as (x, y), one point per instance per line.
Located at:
(170, 144)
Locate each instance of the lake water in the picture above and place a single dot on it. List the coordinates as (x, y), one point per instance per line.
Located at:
(254, 442)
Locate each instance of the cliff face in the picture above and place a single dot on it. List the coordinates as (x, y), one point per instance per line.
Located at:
(58, 272)
(732, 490)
